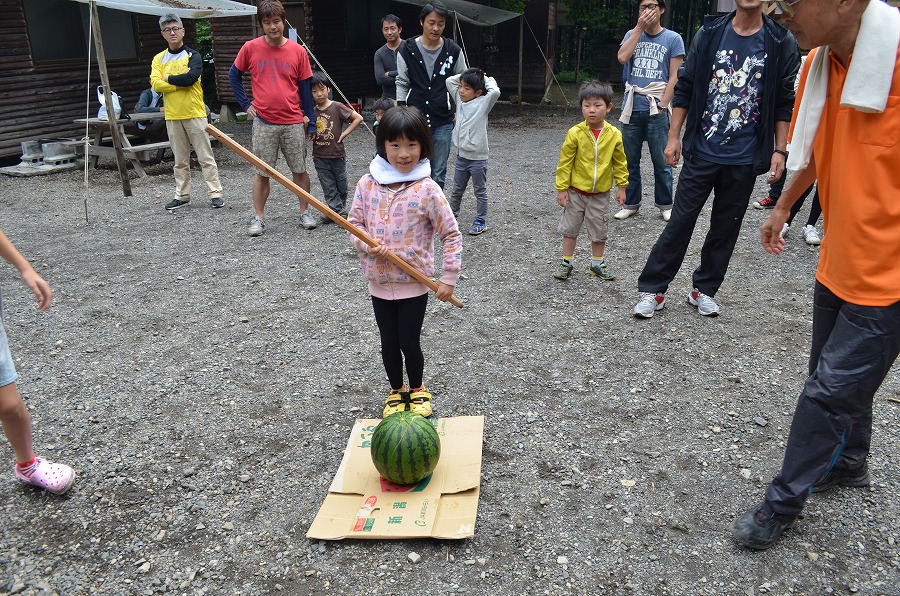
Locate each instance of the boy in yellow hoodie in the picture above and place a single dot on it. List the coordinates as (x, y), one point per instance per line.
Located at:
(590, 157)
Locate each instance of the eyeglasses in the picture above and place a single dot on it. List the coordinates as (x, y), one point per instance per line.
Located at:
(648, 6)
(172, 29)
(781, 6)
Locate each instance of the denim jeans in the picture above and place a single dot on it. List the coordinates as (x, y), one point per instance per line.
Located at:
(333, 179)
(853, 349)
(441, 136)
(654, 130)
(476, 169)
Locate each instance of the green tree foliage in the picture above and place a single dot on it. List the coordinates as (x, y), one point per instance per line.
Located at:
(513, 5)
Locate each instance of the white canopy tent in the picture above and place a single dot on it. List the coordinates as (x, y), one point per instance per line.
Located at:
(186, 9)
(483, 16)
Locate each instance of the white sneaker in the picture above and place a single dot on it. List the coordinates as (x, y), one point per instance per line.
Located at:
(784, 230)
(308, 221)
(256, 226)
(648, 304)
(706, 306)
(666, 214)
(625, 213)
(811, 235)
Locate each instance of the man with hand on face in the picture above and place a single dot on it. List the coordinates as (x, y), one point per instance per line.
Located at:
(651, 55)
(386, 56)
(424, 64)
(282, 84)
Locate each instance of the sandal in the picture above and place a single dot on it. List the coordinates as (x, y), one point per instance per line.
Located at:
(420, 402)
(397, 401)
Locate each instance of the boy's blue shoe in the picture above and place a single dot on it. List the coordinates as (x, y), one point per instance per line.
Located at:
(478, 226)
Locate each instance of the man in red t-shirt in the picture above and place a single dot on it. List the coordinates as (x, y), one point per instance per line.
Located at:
(280, 75)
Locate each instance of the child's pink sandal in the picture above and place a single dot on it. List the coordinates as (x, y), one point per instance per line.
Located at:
(52, 477)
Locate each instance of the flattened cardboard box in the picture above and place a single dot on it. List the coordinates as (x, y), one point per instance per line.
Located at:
(360, 504)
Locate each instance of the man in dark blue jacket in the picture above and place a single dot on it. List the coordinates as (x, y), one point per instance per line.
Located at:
(736, 91)
(424, 64)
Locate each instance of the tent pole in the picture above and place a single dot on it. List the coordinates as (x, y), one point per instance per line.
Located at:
(110, 111)
(521, 52)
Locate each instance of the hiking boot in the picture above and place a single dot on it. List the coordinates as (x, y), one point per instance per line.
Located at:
(625, 213)
(648, 304)
(52, 477)
(602, 271)
(811, 235)
(397, 401)
(760, 527)
(563, 271)
(666, 214)
(478, 227)
(420, 402)
(257, 226)
(766, 203)
(857, 477)
(706, 306)
(175, 204)
(307, 220)
(217, 202)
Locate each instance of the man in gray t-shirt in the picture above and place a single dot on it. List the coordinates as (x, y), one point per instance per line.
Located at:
(651, 55)
(386, 55)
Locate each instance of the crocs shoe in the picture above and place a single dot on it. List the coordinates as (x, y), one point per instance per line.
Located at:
(52, 477)
(397, 401)
(420, 402)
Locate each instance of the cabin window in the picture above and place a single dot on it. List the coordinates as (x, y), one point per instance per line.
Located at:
(58, 31)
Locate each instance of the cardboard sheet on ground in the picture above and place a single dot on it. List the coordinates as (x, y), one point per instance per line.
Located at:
(360, 504)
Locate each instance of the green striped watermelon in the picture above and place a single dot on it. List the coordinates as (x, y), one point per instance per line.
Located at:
(405, 448)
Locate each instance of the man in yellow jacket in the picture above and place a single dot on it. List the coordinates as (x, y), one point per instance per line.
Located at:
(176, 74)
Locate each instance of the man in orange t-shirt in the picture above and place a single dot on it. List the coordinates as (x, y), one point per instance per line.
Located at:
(856, 310)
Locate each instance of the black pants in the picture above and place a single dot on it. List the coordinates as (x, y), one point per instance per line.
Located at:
(853, 349)
(732, 186)
(400, 324)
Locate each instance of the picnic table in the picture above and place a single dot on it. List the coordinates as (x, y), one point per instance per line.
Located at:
(99, 129)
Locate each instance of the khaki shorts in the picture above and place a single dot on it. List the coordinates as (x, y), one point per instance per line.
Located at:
(290, 138)
(590, 210)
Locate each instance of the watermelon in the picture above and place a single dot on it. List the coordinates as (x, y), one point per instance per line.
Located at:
(405, 448)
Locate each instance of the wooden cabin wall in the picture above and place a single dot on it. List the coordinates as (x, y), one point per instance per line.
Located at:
(40, 101)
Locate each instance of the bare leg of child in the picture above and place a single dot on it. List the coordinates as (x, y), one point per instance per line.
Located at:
(16, 423)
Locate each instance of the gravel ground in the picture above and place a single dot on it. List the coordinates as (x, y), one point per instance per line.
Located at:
(203, 384)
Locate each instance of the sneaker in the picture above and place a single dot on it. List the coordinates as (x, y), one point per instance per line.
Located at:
(307, 220)
(625, 213)
(52, 477)
(648, 304)
(256, 226)
(602, 271)
(420, 402)
(760, 527)
(706, 306)
(857, 477)
(343, 213)
(175, 204)
(563, 271)
(784, 230)
(396, 401)
(666, 214)
(766, 203)
(324, 220)
(217, 202)
(478, 227)
(811, 235)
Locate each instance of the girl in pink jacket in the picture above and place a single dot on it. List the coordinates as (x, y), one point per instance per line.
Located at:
(399, 206)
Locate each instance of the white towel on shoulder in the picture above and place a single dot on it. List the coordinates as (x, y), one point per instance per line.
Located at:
(868, 81)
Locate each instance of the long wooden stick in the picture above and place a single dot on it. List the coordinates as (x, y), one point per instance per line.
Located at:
(323, 208)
